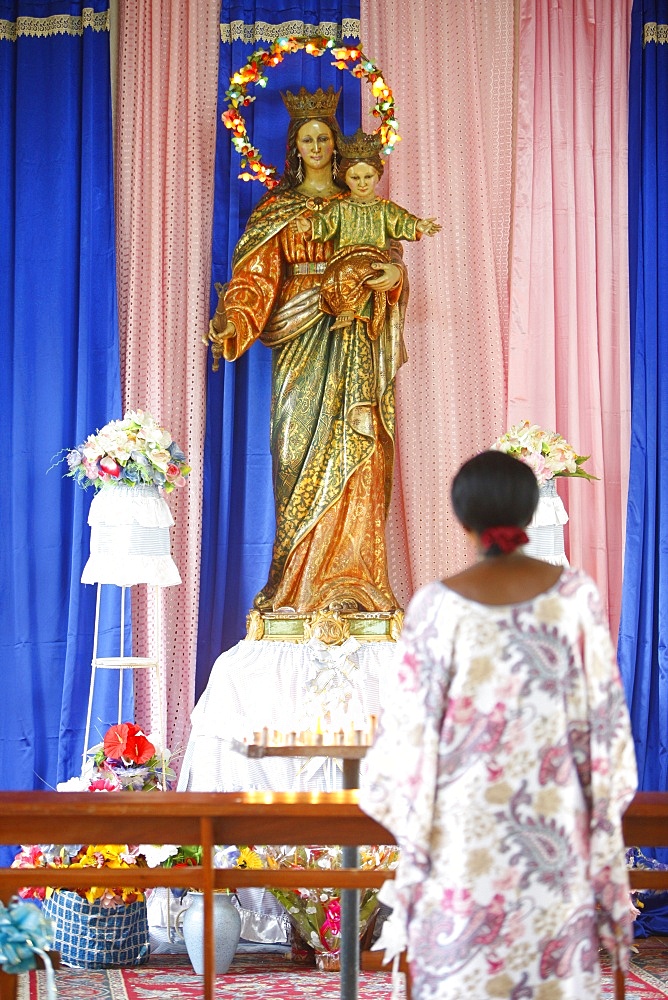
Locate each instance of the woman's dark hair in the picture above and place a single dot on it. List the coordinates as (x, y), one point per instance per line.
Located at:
(493, 489)
(289, 179)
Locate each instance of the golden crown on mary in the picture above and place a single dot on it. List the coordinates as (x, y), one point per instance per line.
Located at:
(320, 104)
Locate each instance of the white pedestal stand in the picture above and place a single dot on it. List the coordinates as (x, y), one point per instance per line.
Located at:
(129, 546)
(546, 531)
(122, 663)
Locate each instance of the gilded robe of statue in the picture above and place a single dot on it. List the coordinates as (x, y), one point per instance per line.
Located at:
(332, 415)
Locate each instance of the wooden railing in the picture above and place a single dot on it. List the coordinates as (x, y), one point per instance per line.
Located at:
(210, 818)
(645, 824)
(205, 818)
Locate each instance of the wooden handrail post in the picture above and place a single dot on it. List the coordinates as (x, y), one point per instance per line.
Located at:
(209, 932)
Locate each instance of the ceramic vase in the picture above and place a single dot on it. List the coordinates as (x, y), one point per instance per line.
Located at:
(227, 930)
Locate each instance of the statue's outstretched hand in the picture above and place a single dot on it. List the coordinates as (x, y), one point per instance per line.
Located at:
(429, 227)
(388, 277)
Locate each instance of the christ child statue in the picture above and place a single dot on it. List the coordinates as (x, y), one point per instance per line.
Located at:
(362, 227)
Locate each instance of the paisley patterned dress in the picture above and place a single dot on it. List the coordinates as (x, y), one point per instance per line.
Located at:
(503, 764)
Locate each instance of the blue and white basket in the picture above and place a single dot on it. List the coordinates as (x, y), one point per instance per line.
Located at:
(91, 936)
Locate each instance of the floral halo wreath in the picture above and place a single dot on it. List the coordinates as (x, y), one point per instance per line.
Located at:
(350, 58)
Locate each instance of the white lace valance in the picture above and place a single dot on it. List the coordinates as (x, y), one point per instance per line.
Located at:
(129, 540)
(264, 31)
(141, 505)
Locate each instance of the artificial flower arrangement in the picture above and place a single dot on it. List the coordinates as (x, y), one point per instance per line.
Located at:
(316, 912)
(134, 451)
(547, 453)
(126, 760)
(190, 855)
(636, 859)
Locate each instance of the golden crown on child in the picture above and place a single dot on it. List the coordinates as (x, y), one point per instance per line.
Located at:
(360, 146)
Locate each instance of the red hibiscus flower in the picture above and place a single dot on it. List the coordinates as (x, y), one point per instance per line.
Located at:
(115, 739)
(127, 742)
(138, 749)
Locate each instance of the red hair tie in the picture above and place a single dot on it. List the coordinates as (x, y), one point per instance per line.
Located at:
(507, 538)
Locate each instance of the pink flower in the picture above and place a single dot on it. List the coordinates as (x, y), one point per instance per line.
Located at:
(330, 929)
(102, 785)
(29, 857)
(333, 911)
(110, 466)
(35, 892)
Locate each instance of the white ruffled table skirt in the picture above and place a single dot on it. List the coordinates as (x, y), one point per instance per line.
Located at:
(283, 686)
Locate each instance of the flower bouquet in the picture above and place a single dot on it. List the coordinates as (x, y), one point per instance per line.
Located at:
(100, 925)
(134, 451)
(546, 452)
(316, 913)
(126, 760)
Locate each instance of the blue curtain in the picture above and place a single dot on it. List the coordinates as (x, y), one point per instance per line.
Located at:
(60, 376)
(644, 620)
(238, 508)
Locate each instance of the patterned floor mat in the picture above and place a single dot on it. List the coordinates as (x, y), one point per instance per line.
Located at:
(271, 976)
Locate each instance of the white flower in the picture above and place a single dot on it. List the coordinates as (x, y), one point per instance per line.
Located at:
(73, 785)
(156, 854)
(161, 459)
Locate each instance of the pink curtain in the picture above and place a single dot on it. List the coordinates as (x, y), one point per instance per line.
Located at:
(569, 327)
(165, 134)
(452, 78)
(513, 118)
